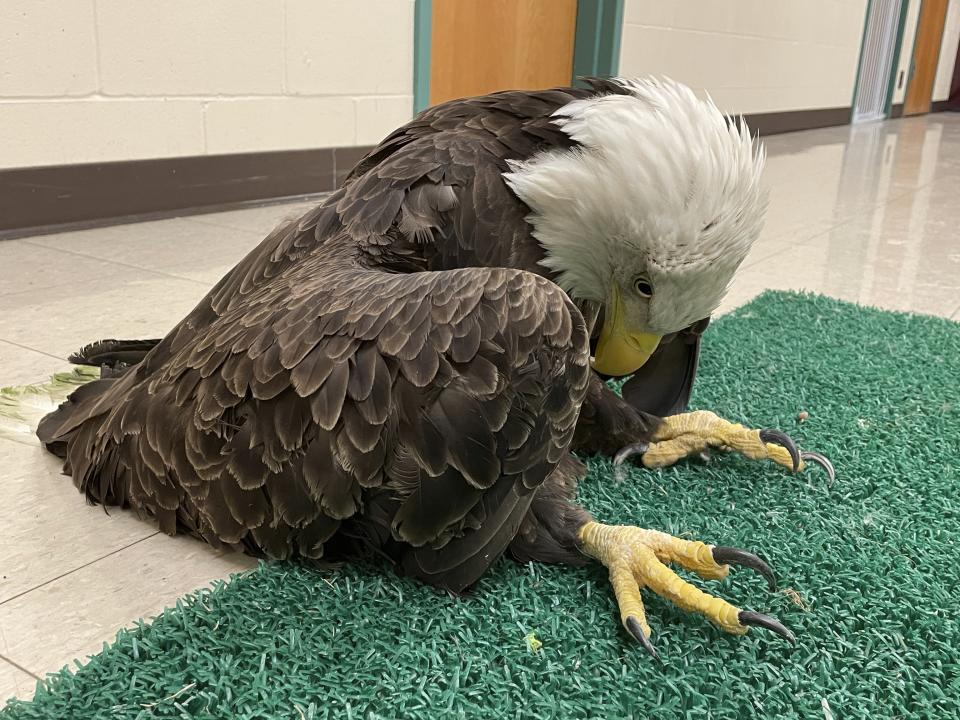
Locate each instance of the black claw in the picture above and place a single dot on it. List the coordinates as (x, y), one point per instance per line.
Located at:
(724, 555)
(746, 617)
(633, 625)
(779, 438)
(624, 454)
(820, 460)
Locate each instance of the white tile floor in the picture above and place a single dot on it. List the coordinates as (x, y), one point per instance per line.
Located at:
(868, 214)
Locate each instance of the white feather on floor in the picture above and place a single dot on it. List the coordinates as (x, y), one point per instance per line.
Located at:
(23, 406)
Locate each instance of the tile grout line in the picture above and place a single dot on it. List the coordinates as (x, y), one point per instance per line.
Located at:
(284, 80)
(79, 567)
(849, 221)
(97, 50)
(293, 200)
(311, 198)
(223, 226)
(785, 247)
(18, 666)
(160, 273)
(27, 347)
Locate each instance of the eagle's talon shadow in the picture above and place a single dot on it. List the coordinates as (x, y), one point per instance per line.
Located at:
(624, 454)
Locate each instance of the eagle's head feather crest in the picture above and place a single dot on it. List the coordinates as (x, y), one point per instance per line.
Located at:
(660, 188)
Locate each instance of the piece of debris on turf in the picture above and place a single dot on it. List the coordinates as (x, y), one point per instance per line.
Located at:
(796, 598)
(533, 643)
(827, 713)
(802, 416)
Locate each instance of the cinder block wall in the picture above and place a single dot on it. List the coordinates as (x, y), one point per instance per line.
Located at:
(753, 56)
(100, 80)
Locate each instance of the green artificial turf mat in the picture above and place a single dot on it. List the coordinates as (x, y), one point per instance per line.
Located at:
(869, 573)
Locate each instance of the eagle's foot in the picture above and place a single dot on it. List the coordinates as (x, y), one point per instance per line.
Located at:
(636, 558)
(694, 433)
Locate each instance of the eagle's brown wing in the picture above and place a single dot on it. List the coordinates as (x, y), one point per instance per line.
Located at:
(345, 373)
(308, 391)
(442, 175)
(438, 180)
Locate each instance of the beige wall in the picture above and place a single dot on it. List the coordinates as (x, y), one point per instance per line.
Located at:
(752, 55)
(98, 80)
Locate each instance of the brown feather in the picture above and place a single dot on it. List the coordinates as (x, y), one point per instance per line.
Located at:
(331, 487)
(326, 403)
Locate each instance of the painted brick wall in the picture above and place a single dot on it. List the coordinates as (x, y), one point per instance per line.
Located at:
(752, 55)
(99, 80)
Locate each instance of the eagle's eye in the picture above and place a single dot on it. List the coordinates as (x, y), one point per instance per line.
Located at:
(643, 286)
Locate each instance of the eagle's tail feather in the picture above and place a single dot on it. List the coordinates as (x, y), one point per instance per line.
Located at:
(113, 354)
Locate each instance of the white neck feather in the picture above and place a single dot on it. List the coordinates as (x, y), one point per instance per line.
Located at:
(661, 182)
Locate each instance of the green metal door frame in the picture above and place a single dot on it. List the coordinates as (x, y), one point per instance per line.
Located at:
(901, 26)
(596, 46)
(422, 25)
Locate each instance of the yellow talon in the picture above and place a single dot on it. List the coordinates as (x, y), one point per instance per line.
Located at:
(690, 433)
(636, 558)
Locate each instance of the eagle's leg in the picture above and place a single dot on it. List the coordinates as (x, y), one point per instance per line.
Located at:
(637, 558)
(692, 433)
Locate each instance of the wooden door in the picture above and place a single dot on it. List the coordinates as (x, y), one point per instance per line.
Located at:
(926, 52)
(479, 46)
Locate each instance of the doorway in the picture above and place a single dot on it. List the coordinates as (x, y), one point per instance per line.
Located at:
(926, 53)
(472, 47)
(877, 60)
(479, 46)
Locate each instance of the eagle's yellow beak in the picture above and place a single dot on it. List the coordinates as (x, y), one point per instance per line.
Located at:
(619, 351)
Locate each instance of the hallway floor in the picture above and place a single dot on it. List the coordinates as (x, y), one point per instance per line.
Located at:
(867, 214)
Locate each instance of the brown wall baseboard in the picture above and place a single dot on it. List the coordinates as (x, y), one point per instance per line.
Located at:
(774, 123)
(896, 111)
(45, 199)
(70, 197)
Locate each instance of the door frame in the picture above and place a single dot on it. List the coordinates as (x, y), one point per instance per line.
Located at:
(596, 43)
(422, 40)
(892, 86)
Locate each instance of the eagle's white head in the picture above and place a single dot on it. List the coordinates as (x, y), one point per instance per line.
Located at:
(649, 215)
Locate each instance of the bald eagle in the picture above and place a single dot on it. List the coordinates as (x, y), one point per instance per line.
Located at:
(409, 366)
